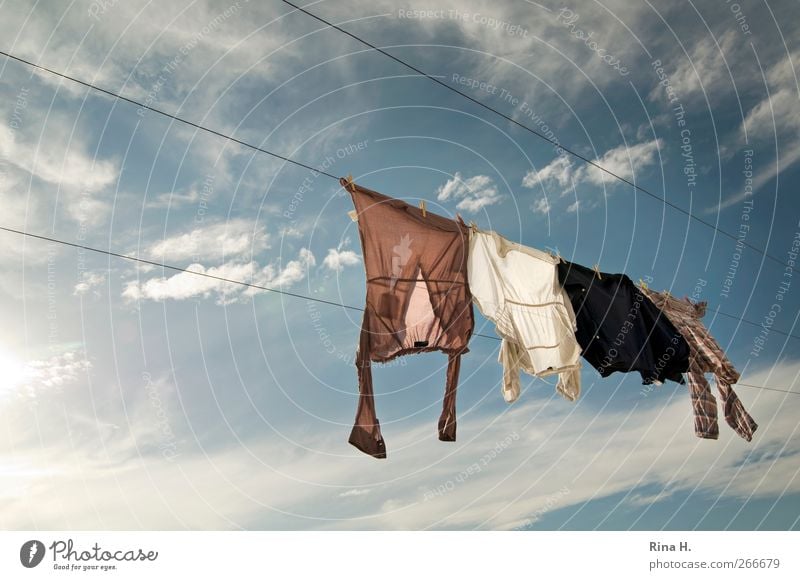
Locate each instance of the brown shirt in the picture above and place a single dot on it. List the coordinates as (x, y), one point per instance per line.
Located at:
(418, 300)
(706, 357)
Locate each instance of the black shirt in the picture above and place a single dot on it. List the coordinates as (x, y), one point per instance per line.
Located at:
(620, 329)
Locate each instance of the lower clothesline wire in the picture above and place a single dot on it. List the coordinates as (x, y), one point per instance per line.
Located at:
(260, 287)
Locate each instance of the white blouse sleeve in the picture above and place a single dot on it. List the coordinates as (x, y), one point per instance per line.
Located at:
(484, 283)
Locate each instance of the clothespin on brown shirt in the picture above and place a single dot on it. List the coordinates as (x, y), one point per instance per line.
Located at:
(349, 185)
(597, 271)
(422, 207)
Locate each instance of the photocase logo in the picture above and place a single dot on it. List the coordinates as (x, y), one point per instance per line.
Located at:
(31, 553)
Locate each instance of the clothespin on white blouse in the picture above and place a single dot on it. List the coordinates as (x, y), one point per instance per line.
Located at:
(423, 208)
(597, 271)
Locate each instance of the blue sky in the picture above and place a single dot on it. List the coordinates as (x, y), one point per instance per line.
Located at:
(136, 397)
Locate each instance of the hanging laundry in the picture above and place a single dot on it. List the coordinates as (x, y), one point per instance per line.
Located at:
(619, 329)
(706, 357)
(417, 300)
(517, 288)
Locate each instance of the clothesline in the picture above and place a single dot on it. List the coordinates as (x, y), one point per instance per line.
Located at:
(295, 294)
(217, 133)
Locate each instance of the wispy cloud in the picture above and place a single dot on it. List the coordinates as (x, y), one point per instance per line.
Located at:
(564, 175)
(473, 194)
(223, 240)
(775, 118)
(186, 285)
(500, 475)
(541, 206)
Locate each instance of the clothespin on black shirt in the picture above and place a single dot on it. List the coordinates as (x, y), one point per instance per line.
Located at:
(597, 271)
(422, 207)
(642, 284)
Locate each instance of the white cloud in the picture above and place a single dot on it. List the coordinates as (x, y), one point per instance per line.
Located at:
(185, 285)
(354, 492)
(623, 161)
(174, 199)
(28, 379)
(60, 158)
(562, 172)
(559, 171)
(570, 456)
(705, 69)
(89, 281)
(775, 118)
(58, 370)
(573, 207)
(541, 206)
(337, 259)
(224, 240)
(295, 270)
(474, 193)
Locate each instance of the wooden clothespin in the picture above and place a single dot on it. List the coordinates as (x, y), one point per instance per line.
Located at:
(642, 284)
(350, 187)
(423, 208)
(597, 271)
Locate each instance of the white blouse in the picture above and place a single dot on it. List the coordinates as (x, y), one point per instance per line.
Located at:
(517, 288)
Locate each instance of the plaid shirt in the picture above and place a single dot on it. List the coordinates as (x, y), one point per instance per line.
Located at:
(706, 357)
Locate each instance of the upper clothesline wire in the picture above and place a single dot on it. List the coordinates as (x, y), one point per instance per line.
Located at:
(322, 172)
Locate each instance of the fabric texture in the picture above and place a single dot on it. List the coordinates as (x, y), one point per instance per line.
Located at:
(706, 357)
(619, 329)
(417, 300)
(517, 288)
